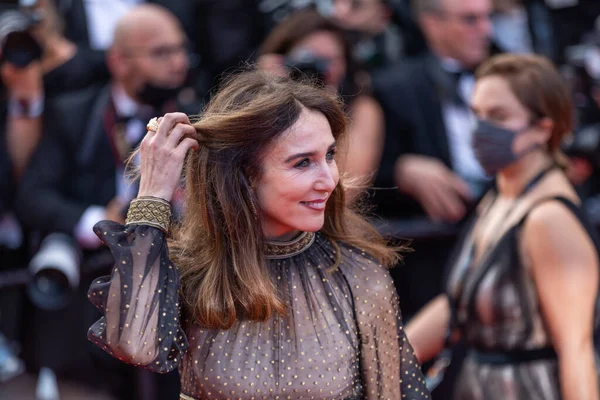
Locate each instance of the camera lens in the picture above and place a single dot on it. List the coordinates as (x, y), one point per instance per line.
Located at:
(51, 282)
(303, 64)
(50, 290)
(55, 272)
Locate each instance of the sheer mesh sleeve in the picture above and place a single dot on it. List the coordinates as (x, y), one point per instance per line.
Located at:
(389, 367)
(139, 300)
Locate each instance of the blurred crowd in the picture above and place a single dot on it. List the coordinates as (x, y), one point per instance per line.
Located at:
(80, 79)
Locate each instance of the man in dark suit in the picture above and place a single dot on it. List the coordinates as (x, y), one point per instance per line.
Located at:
(427, 154)
(77, 175)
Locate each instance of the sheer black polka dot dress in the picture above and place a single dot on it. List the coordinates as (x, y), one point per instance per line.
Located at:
(341, 338)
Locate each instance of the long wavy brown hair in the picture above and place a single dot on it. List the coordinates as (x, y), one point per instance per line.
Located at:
(219, 244)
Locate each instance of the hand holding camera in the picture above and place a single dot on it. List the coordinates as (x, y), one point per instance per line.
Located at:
(300, 64)
(24, 83)
(20, 58)
(18, 20)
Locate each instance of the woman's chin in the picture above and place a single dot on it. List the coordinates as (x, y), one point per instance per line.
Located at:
(312, 227)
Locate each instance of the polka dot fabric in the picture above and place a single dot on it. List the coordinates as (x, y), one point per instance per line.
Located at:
(341, 337)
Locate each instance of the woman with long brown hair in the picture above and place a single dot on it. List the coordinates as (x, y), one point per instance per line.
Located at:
(523, 287)
(270, 287)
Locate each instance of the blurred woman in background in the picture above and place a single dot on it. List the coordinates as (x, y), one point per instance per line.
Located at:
(312, 44)
(522, 290)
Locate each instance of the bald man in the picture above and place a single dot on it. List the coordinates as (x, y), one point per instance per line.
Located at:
(148, 57)
(76, 177)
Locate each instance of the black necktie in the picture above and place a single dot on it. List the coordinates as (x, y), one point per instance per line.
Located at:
(456, 95)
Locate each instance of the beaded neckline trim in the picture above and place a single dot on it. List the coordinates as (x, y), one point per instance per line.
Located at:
(277, 250)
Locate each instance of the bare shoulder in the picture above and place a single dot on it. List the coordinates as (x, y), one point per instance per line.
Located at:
(552, 216)
(554, 234)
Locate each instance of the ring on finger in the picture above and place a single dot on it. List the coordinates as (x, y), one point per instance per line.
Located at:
(152, 125)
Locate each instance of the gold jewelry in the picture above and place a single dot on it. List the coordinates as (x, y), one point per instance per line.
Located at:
(278, 250)
(253, 207)
(152, 125)
(149, 210)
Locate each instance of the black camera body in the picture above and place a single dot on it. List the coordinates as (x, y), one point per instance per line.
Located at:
(304, 64)
(18, 45)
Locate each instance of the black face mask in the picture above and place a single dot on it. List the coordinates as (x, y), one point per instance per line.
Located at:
(156, 96)
(493, 146)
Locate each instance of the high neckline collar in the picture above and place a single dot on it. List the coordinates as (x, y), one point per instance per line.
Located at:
(286, 249)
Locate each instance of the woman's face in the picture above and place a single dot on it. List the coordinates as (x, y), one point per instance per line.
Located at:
(494, 102)
(326, 45)
(299, 174)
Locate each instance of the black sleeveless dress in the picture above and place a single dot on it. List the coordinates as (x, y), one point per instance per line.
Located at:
(496, 309)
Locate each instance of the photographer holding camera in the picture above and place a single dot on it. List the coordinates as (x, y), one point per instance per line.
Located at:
(77, 177)
(21, 106)
(37, 62)
(307, 44)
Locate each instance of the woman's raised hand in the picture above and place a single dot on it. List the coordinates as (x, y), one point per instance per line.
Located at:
(162, 154)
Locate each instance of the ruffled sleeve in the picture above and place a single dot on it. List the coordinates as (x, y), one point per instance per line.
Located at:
(139, 300)
(390, 369)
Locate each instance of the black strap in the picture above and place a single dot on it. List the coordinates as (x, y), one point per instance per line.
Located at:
(537, 178)
(504, 357)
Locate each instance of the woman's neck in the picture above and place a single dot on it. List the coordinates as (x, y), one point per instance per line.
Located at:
(512, 180)
(285, 237)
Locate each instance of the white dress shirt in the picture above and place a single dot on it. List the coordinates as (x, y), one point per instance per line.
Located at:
(511, 30)
(102, 17)
(459, 123)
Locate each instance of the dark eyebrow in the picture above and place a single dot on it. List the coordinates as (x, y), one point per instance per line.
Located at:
(308, 154)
